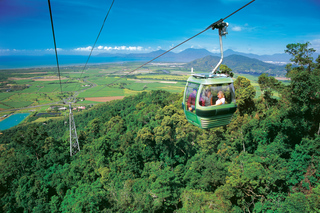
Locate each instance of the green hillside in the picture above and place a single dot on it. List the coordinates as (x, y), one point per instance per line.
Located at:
(239, 64)
(140, 154)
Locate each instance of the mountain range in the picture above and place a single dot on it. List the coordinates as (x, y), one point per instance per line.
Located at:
(203, 60)
(238, 64)
(191, 54)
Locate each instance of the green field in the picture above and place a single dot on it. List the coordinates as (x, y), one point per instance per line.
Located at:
(5, 95)
(96, 81)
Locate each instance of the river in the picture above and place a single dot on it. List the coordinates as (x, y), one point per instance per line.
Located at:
(13, 120)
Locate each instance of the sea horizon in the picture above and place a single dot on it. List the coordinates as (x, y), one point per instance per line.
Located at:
(26, 62)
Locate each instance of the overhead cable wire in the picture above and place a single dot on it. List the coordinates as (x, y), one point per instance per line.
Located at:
(96, 40)
(55, 45)
(209, 27)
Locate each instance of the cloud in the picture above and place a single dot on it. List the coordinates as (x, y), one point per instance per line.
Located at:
(120, 48)
(107, 48)
(315, 44)
(52, 49)
(236, 28)
(83, 48)
(78, 50)
(215, 50)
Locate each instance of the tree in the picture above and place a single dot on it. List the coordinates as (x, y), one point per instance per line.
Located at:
(304, 87)
(268, 84)
(224, 69)
(302, 55)
(245, 93)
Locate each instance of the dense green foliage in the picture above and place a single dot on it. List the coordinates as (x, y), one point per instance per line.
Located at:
(141, 155)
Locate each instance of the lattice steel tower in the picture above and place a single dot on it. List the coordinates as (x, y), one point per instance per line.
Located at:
(74, 143)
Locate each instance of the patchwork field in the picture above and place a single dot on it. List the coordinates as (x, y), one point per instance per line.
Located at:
(105, 99)
(98, 83)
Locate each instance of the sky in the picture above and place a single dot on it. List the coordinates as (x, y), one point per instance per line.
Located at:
(137, 26)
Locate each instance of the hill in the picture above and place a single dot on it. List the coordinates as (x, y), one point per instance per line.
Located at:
(239, 64)
(140, 154)
(191, 54)
(186, 55)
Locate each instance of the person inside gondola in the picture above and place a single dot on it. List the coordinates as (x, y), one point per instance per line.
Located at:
(208, 98)
(201, 100)
(221, 99)
(192, 100)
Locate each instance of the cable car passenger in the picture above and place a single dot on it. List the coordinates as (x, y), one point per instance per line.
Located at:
(221, 99)
(192, 100)
(208, 98)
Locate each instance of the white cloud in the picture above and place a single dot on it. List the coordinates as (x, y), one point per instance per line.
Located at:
(116, 48)
(78, 50)
(236, 28)
(315, 44)
(215, 50)
(138, 48)
(51, 49)
(83, 48)
(107, 48)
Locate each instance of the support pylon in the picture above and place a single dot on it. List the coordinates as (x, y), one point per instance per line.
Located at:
(74, 143)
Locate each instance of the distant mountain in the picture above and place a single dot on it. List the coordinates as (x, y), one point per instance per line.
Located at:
(191, 54)
(185, 56)
(152, 54)
(278, 57)
(239, 64)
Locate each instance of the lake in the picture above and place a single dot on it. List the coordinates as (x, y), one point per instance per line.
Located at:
(13, 120)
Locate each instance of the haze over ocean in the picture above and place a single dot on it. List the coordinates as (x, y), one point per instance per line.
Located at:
(16, 62)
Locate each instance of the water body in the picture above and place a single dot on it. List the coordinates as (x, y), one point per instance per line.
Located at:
(13, 120)
(11, 62)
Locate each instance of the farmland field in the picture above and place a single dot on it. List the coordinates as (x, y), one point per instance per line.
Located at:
(41, 86)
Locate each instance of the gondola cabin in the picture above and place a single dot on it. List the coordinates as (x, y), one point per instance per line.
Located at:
(209, 100)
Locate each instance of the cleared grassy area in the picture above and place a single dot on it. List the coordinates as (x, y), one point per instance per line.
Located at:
(42, 119)
(101, 91)
(18, 100)
(2, 106)
(89, 102)
(136, 86)
(19, 104)
(150, 77)
(5, 95)
(164, 77)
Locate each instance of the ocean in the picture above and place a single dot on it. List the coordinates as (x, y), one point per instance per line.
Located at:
(15, 62)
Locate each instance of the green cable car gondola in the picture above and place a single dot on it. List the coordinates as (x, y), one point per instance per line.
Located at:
(209, 99)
